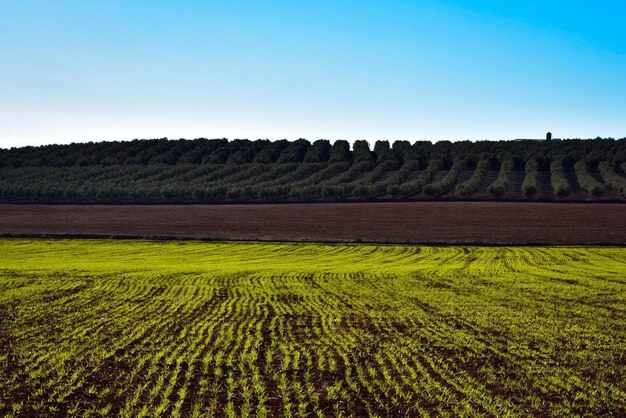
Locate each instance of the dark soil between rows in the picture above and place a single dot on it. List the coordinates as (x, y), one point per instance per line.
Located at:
(395, 222)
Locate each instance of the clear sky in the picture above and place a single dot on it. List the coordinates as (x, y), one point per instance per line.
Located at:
(483, 69)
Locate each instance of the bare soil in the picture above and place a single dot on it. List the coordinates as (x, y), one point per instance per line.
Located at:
(393, 222)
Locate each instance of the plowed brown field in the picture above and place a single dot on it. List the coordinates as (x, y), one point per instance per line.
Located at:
(418, 222)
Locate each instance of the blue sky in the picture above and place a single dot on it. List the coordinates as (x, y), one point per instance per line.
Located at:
(104, 70)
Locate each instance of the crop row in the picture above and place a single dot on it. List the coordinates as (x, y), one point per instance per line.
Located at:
(587, 181)
(471, 186)
(530, 186)
(560, 185)
(499, 186)
(612, 178)
(447, 182)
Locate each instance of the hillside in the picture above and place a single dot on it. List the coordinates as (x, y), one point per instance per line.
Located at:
(222, 171)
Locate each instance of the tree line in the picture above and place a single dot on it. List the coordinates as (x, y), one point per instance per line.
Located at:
(216, 170)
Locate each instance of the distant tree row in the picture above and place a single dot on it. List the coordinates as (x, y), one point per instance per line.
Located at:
(218, 170)
(204, 151)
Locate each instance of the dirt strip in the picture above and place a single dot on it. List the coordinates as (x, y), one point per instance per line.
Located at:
(411, 222)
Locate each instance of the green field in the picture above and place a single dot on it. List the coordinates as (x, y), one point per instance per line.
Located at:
(140, 328)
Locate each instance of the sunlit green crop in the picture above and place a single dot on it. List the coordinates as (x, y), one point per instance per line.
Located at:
(141, 328)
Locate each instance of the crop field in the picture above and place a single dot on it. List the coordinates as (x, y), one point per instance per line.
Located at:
(143, 328)
(516, 223)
